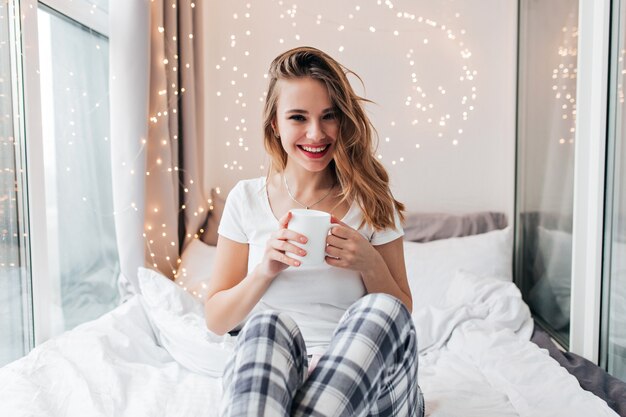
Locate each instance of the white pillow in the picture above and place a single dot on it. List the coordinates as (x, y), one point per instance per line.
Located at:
(195, 268)
(432, 266)
(178, 321)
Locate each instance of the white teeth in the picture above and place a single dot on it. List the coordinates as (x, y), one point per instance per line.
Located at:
(315, 150)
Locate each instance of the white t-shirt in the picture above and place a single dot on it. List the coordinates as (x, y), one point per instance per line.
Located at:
(315, 297)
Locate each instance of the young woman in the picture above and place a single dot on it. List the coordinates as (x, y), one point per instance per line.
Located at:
(333, 340)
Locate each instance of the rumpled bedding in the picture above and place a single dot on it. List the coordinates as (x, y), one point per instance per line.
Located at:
(475, 360)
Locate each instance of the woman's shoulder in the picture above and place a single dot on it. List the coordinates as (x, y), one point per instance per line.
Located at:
(248, 188)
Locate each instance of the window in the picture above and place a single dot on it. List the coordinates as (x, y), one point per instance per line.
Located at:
(55, 171)
(613, 341)
(548, 36)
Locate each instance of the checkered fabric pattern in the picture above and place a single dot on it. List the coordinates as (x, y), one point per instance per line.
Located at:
(369, 369)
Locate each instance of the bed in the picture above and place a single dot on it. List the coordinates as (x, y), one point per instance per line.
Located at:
(152, 355)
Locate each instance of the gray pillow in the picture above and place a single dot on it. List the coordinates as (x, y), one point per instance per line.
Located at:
(426, 227)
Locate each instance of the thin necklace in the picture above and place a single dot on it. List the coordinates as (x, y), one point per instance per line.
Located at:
(299, 203)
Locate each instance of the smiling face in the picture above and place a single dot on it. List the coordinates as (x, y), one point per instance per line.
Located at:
(306, 122)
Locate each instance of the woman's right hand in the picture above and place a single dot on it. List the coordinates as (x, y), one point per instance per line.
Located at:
(276, 259)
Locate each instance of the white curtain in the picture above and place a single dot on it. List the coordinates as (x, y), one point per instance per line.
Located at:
(157, 132)
(129, 59)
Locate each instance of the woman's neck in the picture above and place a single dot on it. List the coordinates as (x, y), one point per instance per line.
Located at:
(305, 182)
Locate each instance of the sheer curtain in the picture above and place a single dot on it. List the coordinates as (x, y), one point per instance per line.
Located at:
(157, 132)
(83, 260)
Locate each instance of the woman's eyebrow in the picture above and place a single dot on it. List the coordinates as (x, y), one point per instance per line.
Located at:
(330, 109)
(300, 111)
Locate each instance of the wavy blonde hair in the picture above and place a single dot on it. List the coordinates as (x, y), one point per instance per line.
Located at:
(362, 178)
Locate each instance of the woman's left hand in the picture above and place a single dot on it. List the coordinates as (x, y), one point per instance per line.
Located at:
(347, 248)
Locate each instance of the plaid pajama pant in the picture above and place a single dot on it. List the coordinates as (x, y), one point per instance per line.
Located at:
(369, 369)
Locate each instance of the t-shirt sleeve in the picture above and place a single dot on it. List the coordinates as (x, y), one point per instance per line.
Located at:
(231, 224)
(385, 236)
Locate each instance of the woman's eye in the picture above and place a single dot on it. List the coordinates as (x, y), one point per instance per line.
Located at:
(329, 116)
(297, 117)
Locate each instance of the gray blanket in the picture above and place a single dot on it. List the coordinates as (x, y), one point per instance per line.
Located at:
(590, 376)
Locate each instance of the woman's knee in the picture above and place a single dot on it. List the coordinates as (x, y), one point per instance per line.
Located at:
(386, 304)
(399, 323)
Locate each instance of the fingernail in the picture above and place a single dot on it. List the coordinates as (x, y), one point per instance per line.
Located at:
(302, 253)
(303, 239)
(297, 263)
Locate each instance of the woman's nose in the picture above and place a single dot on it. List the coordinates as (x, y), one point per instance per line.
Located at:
(315, 131)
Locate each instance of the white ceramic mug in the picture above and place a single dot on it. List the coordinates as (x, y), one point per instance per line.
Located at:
(315, 225)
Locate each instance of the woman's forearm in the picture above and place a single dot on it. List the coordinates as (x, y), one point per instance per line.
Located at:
(378, 279)
(225, 309)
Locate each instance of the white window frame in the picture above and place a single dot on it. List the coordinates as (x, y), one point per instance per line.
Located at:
(17, 104)
(97, 20)
(84, 13)
(590, 149)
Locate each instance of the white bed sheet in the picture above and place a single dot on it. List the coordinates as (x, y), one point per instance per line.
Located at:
(112, 366)
(478, 362)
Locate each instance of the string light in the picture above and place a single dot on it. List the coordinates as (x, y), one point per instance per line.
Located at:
(422, 103)
(164, 251)
(427, 119)
(564, 77)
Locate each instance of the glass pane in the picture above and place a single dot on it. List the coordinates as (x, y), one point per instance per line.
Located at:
(615, 250)
(74, 65)
(545, 178)
(15, 323)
